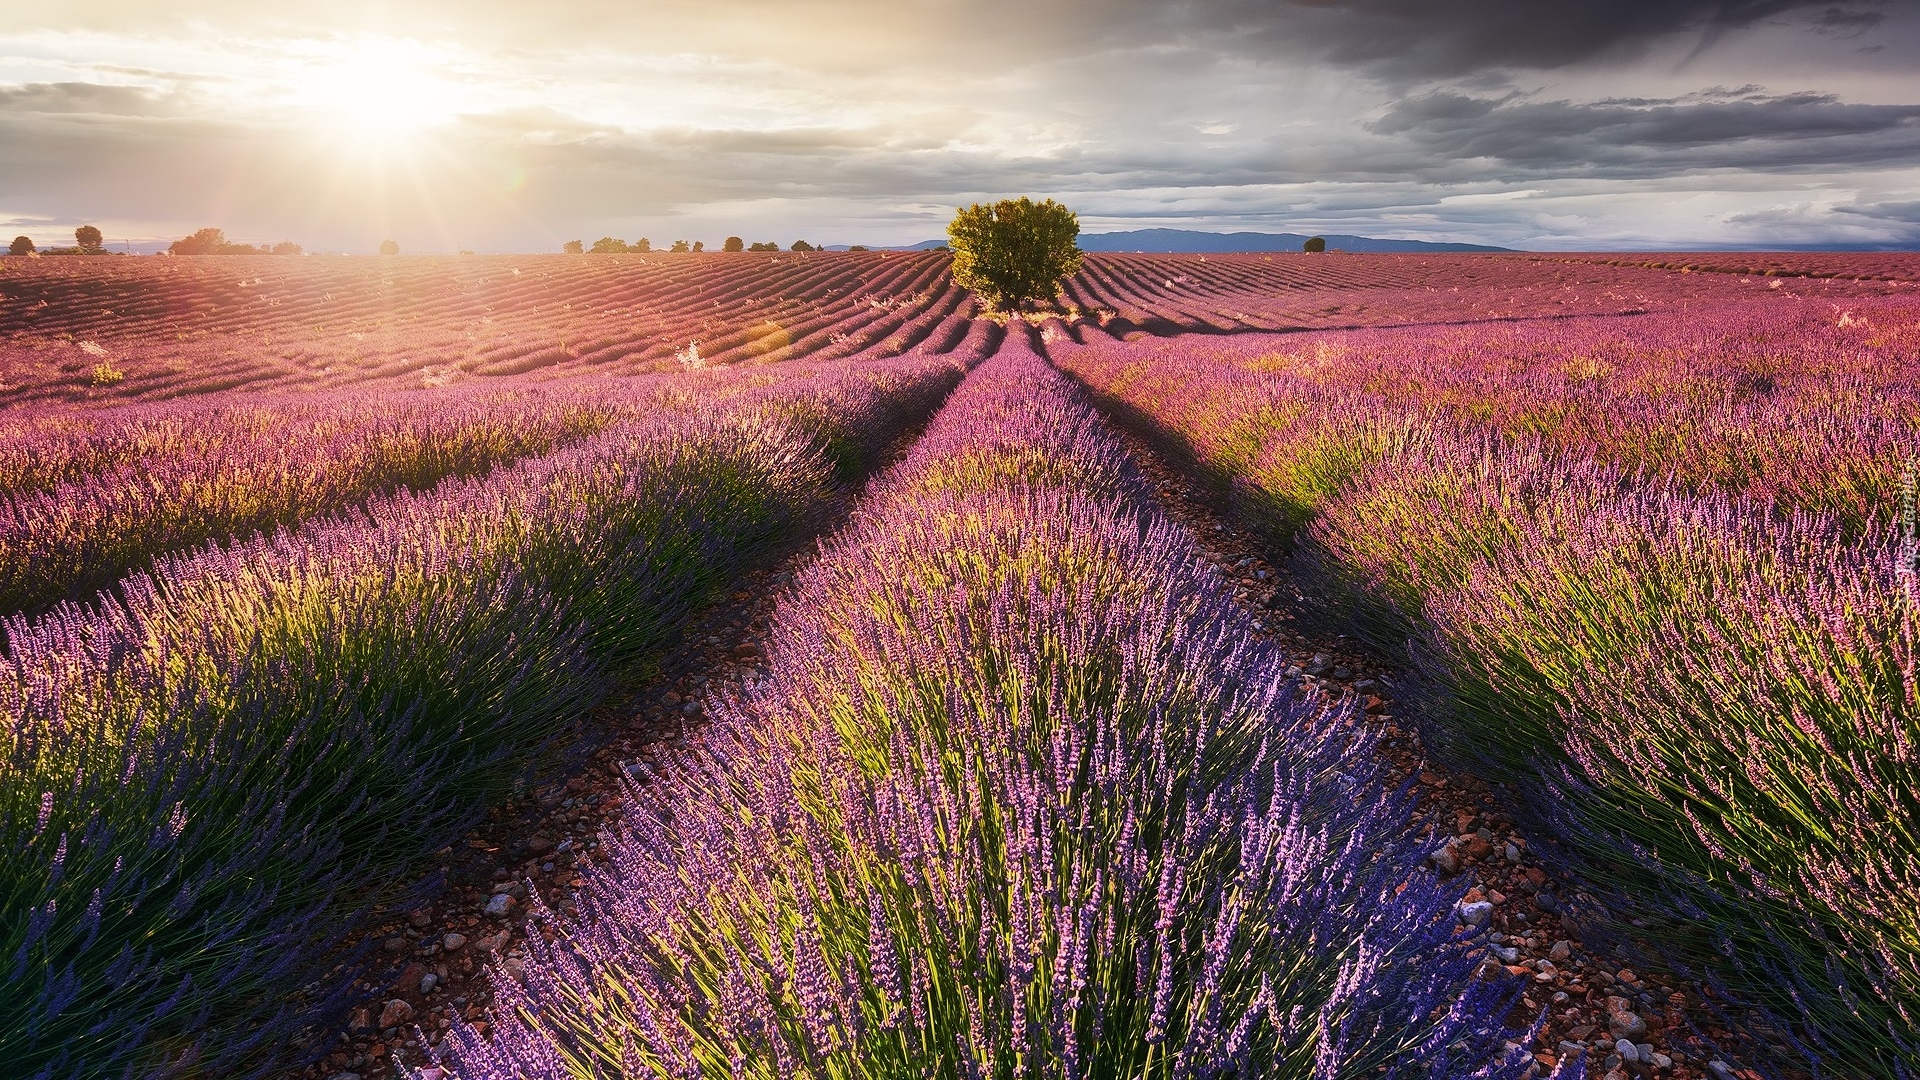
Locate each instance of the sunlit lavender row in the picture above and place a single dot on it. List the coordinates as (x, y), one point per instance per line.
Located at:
(1022, 795)
(1669, 609)
(210, 775)
(1809, 403)
(199, 478)
(92, 497)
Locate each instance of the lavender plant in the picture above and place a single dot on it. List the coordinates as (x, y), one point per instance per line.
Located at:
(1671, 621)
(159, 480)
(211, 774)
(1021, 796)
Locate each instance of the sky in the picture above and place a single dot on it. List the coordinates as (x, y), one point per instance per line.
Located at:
(509, 125)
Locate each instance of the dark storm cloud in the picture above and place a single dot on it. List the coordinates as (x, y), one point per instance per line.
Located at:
(1400, 39)
(1905, 212)
(1650, 137)
(1844, 21)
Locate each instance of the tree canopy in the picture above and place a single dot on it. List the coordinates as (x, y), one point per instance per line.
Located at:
(210, 242)
(89, 239)
(22, 245)
(1015, 250)
(734, 243)
(1314, 244)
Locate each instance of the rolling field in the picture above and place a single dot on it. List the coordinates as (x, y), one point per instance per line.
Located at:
(372, 702)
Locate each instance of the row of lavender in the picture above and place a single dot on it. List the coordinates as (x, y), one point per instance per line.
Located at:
(211, 776)
(89, 498)
(1810, 405)
(1706, 690)
(1022, 795)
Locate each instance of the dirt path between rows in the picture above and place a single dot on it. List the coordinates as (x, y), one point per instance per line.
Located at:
(1594, 1000)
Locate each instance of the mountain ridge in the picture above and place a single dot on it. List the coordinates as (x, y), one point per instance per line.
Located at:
(1194, 241)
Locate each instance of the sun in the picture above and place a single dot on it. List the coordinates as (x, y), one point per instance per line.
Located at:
(374, 91)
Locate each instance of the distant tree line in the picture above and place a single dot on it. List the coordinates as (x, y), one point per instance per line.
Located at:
(734, 244)
(608, 245)
(86, 241)
(212, 241)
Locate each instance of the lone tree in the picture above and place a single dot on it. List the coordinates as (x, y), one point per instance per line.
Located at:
(802, 245)
(734, 243)
(89, 239)
(1015, 250)
(389, 247)
(572, 247)
(1314, 244)
(22, 245)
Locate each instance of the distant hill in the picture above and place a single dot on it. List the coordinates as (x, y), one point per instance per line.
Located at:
(1188, 240)
(1194, 241)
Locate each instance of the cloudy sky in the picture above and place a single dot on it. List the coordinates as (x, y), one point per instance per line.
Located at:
(513, 125)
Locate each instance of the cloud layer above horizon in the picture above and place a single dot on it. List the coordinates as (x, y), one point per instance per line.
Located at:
(491, 125)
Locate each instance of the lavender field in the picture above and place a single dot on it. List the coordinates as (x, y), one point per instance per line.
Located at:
(1478, 666)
